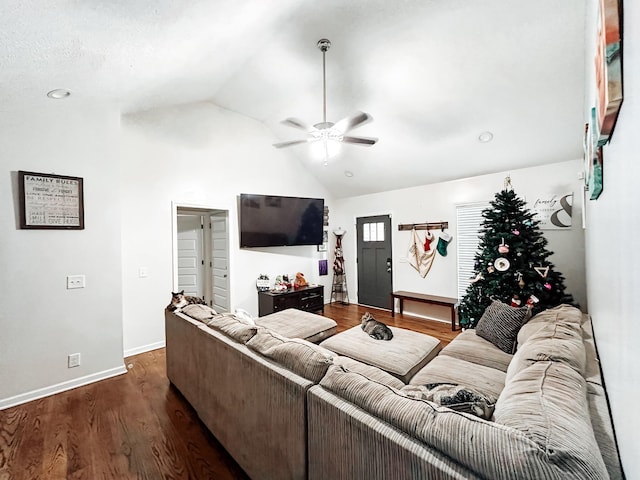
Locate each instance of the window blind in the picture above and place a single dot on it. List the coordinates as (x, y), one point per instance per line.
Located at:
(469, 218)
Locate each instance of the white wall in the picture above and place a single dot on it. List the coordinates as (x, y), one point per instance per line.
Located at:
(612, 257)
(437, 202)
(41, 321)
(199, 155)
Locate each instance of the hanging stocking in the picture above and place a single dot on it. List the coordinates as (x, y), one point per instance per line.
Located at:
(443, 242)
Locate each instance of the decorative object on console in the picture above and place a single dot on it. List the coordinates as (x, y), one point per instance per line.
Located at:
(262, 283)
(300, 281)
(328, 135)
(522, 273)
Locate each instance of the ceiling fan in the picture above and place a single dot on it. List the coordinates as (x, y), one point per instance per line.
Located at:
(327, 132)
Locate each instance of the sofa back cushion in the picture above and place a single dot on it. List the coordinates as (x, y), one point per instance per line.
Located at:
(300, 356)
(228, 324)
(492, 450)
(547, 403)
(561, 313)
(556, 337)
(199, 312)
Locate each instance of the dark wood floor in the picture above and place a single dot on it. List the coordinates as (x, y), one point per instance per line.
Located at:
(135, 426)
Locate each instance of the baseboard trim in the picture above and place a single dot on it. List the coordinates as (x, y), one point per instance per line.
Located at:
(143, 349)
(60, 387)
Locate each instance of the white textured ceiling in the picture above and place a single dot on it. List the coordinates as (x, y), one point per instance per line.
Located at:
(434, 74)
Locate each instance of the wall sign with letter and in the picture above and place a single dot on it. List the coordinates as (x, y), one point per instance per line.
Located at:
(553, 211)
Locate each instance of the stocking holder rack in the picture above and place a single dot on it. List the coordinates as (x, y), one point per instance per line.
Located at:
(423, 226)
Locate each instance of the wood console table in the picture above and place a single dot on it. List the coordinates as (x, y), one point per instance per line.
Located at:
(424, 298)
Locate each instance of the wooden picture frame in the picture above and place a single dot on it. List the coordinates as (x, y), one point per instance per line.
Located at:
(51, 202)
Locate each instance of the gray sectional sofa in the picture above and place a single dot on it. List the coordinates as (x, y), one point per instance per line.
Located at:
(289, 409)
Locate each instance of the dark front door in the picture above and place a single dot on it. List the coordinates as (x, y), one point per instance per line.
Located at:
(374, 261)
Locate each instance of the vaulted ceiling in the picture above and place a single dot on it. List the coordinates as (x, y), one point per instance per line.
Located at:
(433, 74)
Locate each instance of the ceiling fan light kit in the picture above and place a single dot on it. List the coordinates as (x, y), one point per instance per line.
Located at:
(326, 137)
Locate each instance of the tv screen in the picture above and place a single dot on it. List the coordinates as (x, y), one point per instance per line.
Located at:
(275, 221)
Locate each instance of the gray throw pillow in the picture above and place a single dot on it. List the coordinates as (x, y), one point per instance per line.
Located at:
(500, 324)
(456, 397)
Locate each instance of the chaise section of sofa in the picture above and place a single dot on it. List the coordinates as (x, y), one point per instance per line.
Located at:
(253, 406)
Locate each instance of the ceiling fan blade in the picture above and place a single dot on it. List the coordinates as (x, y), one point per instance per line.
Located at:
(367, 141)
(289, 143)
(296, 123)
(353, 121)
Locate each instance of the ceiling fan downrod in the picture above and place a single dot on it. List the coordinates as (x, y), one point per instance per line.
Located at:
(324, 45)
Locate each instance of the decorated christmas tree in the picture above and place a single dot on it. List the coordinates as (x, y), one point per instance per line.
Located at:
(512, 262)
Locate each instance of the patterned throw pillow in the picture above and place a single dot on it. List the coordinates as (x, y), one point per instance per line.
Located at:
(455, 397)
(500, 324)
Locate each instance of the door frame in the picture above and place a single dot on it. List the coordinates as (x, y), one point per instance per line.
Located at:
(354, 244)
(196, 209)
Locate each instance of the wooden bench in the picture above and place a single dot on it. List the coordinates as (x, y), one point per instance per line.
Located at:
(424, 298)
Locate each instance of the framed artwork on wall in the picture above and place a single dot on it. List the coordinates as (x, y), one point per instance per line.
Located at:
(50, 201)
(608, 68)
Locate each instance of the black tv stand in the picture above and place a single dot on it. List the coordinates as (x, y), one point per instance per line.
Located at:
(309, 299)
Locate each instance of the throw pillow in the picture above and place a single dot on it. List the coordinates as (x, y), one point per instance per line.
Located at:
(500, 324)
(456, 397)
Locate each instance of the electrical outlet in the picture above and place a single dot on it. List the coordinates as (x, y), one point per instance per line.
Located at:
(75, 281)
(73, 360)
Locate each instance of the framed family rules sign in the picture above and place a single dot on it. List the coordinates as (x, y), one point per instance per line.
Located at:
(50, 201)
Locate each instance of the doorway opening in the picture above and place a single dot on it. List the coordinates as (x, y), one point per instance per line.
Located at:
(201, 254)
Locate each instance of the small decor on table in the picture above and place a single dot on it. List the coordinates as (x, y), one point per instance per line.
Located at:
(262, 284)
(300, 281)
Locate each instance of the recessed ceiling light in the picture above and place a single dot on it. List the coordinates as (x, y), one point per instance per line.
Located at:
(59, 93)
(485, 137)
(349, 174)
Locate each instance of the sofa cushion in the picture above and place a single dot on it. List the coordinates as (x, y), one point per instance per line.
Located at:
(199, 312)
(231, 327)
(500, 324)
(446, 369)
(470, 347)
(293, 323)
(455, 397)
(547, 402)
(372, 373)
(300, 356)
(491, 450)
(402, 356)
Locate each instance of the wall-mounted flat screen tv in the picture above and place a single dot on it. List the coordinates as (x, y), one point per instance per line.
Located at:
(275, 221)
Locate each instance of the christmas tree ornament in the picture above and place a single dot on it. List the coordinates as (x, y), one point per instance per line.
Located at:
(503, 248)
(516, 232)
(542, 271)
(532, 300)
(547, 286)
(443, 242)
(491, 269)
(515, 301)
(502, 264)
(478, 278)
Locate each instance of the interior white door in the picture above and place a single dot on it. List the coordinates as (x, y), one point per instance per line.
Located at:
(220, 262)
(190, 255)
